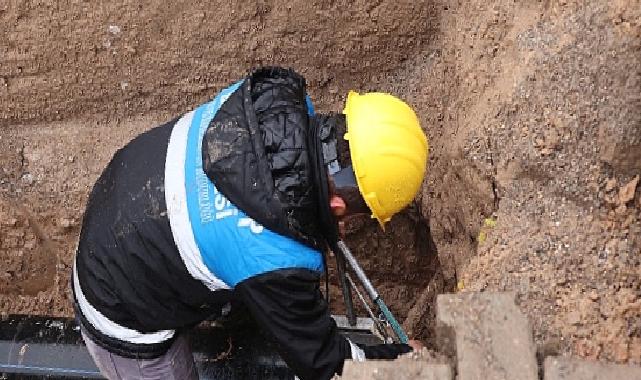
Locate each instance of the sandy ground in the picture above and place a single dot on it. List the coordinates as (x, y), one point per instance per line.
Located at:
(532, 109)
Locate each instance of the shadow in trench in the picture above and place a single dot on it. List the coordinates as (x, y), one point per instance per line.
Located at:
(421, 318)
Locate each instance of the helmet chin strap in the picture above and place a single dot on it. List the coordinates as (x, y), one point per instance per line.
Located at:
(324, 162)
(327, 135)
(343, 179)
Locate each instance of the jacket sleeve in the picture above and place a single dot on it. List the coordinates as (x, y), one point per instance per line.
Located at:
(288, 305)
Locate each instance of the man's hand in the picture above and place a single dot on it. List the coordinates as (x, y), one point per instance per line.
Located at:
(416, 345)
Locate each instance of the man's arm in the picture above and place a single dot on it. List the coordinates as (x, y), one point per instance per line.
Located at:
(289, 306)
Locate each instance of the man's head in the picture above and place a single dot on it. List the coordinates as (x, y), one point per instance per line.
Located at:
(345, 197)
(388, 153)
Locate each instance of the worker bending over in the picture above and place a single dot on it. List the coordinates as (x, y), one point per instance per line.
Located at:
(235, 202)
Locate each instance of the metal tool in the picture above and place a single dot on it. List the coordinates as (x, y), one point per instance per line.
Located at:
(369, 289)
(378, 323)
(347, 290)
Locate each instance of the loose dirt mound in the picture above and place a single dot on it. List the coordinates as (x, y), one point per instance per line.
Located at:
(532, 109)
(534, 114)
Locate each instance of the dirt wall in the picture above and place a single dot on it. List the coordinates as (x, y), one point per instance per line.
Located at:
(534, 114)
(78, 80)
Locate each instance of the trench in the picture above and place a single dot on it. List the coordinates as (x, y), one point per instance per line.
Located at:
(123, 78)
(529, 129)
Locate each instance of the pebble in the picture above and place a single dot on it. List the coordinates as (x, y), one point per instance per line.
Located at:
(626, 193)
(573, 317)
(11, 222)
(66, 222)
(114, 29)
(27, 178)
(610, 184)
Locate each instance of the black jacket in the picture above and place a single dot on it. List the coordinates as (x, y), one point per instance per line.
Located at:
(261, 151)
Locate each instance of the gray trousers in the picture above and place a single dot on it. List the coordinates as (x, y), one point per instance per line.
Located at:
(176, 364)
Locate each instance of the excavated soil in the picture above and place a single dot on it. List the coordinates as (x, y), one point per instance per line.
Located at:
(77, 81)
(532, 109)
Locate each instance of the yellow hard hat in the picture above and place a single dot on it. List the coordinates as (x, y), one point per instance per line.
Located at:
(388, 149)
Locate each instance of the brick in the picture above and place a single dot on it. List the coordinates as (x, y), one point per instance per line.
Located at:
(488, 334)
(556, 368)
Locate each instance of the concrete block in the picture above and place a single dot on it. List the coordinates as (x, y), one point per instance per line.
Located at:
(396, 370)
(488, 334)
(556, 368)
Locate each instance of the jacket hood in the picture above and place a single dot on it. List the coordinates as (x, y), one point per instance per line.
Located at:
(262, 152)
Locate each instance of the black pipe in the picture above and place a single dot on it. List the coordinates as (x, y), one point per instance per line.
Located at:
(34, 347)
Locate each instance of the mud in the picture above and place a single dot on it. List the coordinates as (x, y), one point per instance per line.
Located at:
(532, 110)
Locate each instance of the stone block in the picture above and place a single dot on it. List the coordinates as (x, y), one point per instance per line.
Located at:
(556, 368)
(401, 369)
(488, 334)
